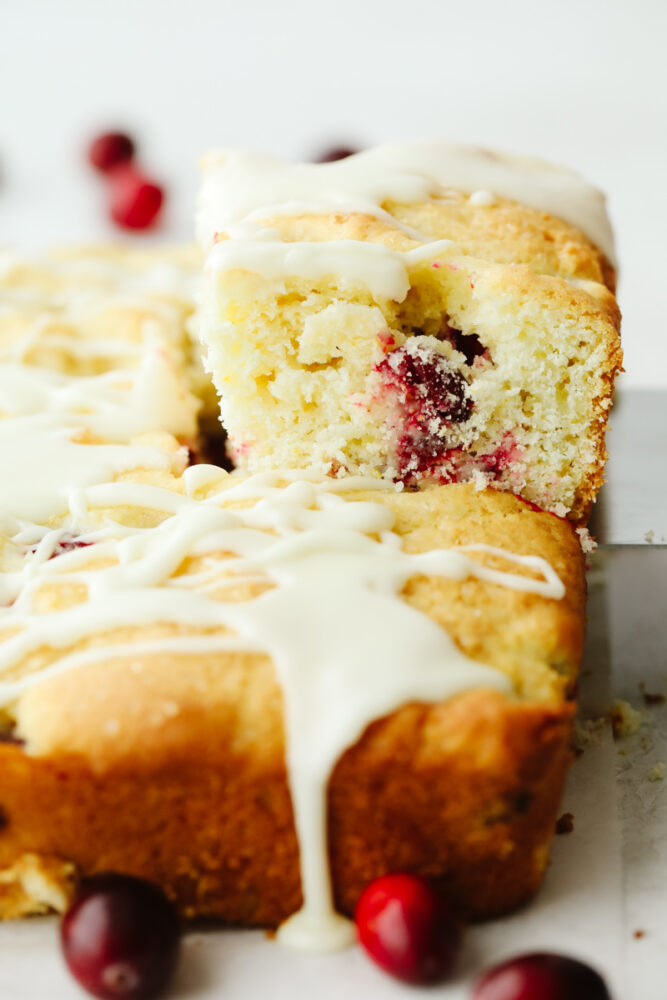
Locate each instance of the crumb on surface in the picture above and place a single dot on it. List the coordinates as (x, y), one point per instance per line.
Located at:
(650, 536)
(586, 540)
(625, 720)
(565, 823)
(657, 772)
(639, 933)
(587, 732)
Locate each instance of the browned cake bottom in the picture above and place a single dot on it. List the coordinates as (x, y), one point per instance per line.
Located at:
(465, 792)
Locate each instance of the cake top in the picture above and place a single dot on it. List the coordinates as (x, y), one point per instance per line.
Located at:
(321, 569)
(241, 188)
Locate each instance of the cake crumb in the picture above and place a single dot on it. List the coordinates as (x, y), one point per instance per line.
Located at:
(565, 823)
(625, 720)
(639, 933)
(649, 537)
(657, 772)
(587, 732)
(586, 540)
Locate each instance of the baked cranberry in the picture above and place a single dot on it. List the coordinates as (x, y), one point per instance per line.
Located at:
(69, 545)
(135, 200)
(335, 153)
(109, 150)
(407, 928)
(120, 937)
(432, 395)
(541, 976)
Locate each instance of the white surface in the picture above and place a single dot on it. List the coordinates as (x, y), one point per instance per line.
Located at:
(579, 910)
(584, 84)
(638, 633)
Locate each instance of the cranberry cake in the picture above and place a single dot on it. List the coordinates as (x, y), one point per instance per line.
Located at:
(262, 689)
(206, 706)
(418, 313)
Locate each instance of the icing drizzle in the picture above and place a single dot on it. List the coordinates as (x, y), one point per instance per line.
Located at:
(240, 189)
(336, 569)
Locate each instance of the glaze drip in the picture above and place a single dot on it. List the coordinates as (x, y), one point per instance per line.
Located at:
(241, 188)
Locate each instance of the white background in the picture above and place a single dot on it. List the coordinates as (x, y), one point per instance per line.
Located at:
(583, 83)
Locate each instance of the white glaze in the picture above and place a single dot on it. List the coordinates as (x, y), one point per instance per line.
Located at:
(350, 262)
(113, 407)
(337, 570)
(43, 465)
(250, 187)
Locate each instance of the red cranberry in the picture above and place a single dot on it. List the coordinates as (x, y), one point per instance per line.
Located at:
(432, 395)
(69, 545)
(541, 977)
(407, 928)
(120, 937)
(335, 153)
(135, 201)
(109, 150)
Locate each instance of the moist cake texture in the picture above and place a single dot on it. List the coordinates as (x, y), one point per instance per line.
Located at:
(454, 336)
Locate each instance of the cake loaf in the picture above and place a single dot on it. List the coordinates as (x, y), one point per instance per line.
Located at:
(271, 690)
(421, 313)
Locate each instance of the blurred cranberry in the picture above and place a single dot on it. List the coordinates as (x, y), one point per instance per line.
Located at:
(541, 976)
(109, 150)
(135, 200)
(335, 153)
(407, 928)
(120, 937)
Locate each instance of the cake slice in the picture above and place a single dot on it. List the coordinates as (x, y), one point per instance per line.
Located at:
(257, 674)
(377, 316)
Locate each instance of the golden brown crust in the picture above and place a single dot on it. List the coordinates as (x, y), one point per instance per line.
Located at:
(172, 766)
(504, 232)
(465, 792)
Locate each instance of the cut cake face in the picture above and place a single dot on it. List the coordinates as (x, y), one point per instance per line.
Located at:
(350, 342)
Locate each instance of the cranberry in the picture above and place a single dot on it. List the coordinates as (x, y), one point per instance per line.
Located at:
(428, 384)
(120, 937)
(432, 395)
(135, 200)
(335, 153)
(109, 150)
(69, 545)
(541, 976)
(407, 928)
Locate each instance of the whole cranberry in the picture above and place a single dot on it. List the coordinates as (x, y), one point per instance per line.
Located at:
(135, 200)
(120, 937)
(335, 153)
(407, 928)
(541, 976)
(109, 150)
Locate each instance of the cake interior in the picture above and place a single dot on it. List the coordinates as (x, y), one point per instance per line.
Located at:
(481, 374)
